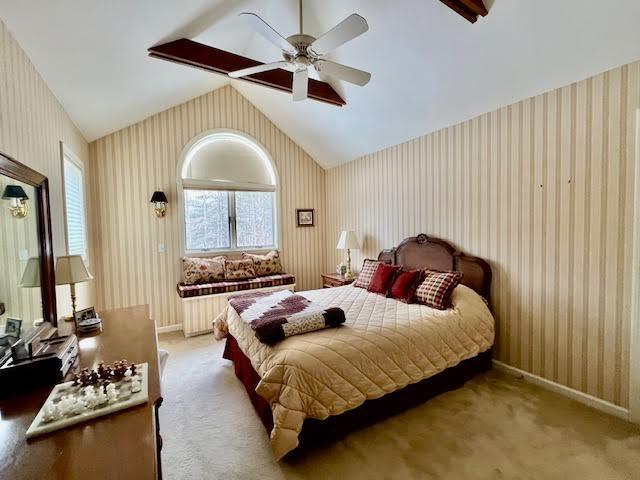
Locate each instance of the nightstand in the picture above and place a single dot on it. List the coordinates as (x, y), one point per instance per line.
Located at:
(330, 280)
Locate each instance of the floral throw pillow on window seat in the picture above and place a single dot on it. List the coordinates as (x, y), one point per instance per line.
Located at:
(268, 264)
(202, 270)
(239, 269)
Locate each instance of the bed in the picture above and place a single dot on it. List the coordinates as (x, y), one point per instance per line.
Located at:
(387, 354)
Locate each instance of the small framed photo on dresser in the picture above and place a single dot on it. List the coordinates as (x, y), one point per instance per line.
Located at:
(304, 217)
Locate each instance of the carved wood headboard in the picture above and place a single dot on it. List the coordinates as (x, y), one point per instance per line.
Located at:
(422, 251)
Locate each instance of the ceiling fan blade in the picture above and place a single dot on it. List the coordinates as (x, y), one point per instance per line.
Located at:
(260, 68)
(300, 84)
(267, 31)
(351, 27)
(342, 72)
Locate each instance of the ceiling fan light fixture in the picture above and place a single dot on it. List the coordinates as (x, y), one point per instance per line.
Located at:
(300, 52)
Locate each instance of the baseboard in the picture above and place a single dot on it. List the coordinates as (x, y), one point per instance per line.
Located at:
(584, 398)
(170, 328)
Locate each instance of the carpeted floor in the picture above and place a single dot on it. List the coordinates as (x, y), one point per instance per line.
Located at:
(495, 427)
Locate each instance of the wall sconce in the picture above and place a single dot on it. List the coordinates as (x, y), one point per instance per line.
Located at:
(159, 200)
(18, 198)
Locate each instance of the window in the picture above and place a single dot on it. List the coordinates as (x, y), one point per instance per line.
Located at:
(229, 195)
(74, 206)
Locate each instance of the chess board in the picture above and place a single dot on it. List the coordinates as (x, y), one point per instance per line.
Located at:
(126, 399)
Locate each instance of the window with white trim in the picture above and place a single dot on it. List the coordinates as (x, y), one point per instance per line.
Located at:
(74, 202)
(229, 195)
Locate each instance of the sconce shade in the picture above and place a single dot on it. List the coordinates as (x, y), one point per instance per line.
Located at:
(14, 191)
(70, 270)
(31, 274)
(348, 240)
(158, 197)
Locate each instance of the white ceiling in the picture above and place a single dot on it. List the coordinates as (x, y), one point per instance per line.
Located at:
(430, 67)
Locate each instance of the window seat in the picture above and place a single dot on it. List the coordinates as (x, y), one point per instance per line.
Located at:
(235, 285)
(202, 303)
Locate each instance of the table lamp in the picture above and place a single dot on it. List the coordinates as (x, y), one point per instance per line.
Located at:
(70, 270)
(348, 241)
(31, 274)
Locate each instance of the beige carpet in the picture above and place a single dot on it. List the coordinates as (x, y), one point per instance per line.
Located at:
(495, 427)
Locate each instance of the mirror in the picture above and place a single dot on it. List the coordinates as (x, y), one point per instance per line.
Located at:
(27, 291)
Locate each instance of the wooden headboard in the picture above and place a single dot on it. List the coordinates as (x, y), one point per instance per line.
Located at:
(422, 251)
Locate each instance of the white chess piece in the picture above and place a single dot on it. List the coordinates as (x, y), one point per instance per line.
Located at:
(135, 386)
(101, 398)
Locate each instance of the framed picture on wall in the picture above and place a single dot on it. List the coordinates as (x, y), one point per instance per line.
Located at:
(304, 217)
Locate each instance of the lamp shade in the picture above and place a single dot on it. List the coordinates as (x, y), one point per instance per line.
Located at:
(348, 240)
(31, 274)
(158, 197)
(71, 269)
(14, 191)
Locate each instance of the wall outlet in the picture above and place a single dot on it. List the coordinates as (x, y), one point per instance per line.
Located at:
(23, 255)
(161, 248)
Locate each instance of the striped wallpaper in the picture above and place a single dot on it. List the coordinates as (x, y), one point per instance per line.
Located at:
(543, 189)
(32, 125)
(131, 163)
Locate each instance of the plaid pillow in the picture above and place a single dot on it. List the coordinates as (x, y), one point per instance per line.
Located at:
(366, 274)
(435, 289)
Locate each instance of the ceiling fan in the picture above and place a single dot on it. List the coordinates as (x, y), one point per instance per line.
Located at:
(301, 52)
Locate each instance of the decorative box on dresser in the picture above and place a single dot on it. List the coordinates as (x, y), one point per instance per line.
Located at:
(124, 445)
(330, 280)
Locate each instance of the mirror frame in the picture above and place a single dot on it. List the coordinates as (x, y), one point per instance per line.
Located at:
(16, 170)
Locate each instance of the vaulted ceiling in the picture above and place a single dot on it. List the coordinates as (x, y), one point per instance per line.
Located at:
(430, 67)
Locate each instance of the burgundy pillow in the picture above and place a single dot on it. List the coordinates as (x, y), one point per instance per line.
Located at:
(383, 278)
(436, 287)
(404, 286)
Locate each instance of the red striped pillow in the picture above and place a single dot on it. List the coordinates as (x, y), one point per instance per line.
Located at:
(436, 287)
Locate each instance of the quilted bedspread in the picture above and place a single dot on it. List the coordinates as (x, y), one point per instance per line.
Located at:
(383, 346)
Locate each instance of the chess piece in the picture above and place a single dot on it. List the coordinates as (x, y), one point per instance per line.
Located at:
(101, 370)
(133, 369)
(101, 398)
(84, 377)
(105, 385)
(135, 386)
(76, 380)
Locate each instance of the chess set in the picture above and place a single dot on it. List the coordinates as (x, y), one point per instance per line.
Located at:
(92, 394)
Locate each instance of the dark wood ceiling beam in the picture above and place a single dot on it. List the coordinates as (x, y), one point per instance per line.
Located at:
(194, 54)
(469, 9)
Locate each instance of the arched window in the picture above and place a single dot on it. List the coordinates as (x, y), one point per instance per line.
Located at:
(228, 185)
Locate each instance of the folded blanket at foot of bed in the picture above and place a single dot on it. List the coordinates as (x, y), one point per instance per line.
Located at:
(273, 316)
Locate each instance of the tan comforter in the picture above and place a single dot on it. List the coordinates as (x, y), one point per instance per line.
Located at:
(383, 346)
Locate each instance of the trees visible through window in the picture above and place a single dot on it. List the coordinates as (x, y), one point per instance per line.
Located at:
(229, 195)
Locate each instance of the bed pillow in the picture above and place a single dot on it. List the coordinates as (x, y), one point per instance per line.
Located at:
(366, 274)
(436, 287)
(404, 286)
(202, 270)
(268, 264)
(239, 269)
(383, 278)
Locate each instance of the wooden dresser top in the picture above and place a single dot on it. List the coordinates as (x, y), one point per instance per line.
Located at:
(118, 446)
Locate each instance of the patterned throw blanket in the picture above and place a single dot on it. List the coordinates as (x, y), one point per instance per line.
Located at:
(274, 316)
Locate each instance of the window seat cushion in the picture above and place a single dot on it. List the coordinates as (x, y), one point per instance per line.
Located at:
(186, 291)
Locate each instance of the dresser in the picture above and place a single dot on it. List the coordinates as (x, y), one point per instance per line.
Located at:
(124, 445)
